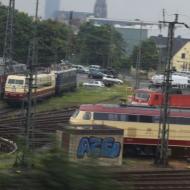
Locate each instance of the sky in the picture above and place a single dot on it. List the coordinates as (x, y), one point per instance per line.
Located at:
(146, 10)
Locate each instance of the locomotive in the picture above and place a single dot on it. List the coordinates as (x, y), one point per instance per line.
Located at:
(149, 97)
(44, 85)
(140, 124)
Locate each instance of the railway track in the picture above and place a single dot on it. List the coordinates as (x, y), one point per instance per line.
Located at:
(6, 111)
(155, 179)
(44, 125)
(7, 146)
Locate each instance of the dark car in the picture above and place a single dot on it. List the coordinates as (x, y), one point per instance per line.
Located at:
(95, 74)
(110, 71)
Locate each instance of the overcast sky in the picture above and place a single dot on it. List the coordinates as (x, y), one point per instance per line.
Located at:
(147, 10)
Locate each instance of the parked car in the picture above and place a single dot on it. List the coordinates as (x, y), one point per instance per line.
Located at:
(94, 67)
(94, 84)
(111, 80)
(110, 72)
(95, 74)
(81, 69)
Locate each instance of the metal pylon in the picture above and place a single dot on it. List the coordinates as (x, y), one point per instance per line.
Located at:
(9, 35)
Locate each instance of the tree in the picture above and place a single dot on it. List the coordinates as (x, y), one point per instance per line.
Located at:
(22, 33)
(149, 55)
(53, 41)
(101, 45)
(53, 38)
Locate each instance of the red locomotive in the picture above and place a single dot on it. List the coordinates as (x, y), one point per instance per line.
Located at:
(149, 97)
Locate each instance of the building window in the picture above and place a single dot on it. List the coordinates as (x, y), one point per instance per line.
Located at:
(183, 56)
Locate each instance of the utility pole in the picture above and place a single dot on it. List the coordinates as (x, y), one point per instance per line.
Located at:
(138, 62)
(9, 36)
(69, 40)
(31, 82)
(162, 158)
(31, 88)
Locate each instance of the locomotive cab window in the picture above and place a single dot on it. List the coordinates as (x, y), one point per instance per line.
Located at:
(142, 95)
(14, 81)
(11, 81)
(20, 82)
(87, 116)
(75, 114)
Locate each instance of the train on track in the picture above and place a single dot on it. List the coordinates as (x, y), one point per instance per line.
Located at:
(140, 124)
(15, 68)
(44, 85)
(154, 97)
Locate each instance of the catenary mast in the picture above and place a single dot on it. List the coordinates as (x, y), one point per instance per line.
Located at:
(9, 36)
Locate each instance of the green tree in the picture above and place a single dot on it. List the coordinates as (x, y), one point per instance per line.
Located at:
(101, 45)
(54, 41)
(22, 33)
(149, 55)
(3, 17)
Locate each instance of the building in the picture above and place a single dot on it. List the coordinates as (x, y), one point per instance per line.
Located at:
(181, 60)
(51, 7)
(100, 9)
(72, 17)
(133, 32)
(180, 53)
(132, 36)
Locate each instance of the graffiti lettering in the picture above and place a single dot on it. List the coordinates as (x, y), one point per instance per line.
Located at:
(98, 148)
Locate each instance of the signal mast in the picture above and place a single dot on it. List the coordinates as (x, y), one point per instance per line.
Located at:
(162, 157)
(9, 37)
(29, 114)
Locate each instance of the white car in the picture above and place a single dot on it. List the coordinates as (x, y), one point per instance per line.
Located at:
(81, 69)
(108, 79)
(94, 84)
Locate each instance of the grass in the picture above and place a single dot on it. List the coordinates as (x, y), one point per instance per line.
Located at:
(6, 161)
(84, 96)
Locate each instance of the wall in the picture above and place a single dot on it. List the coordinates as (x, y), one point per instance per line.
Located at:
(106, 149)
(182, 63)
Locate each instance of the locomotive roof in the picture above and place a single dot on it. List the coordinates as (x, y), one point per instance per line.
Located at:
(134, 110)
(159, 90)
(24, 76)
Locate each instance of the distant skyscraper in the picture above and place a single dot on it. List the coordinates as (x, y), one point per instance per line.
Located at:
(100, 9)
(51, 7)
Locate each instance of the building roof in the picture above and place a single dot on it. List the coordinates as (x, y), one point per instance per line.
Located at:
(161, 42)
